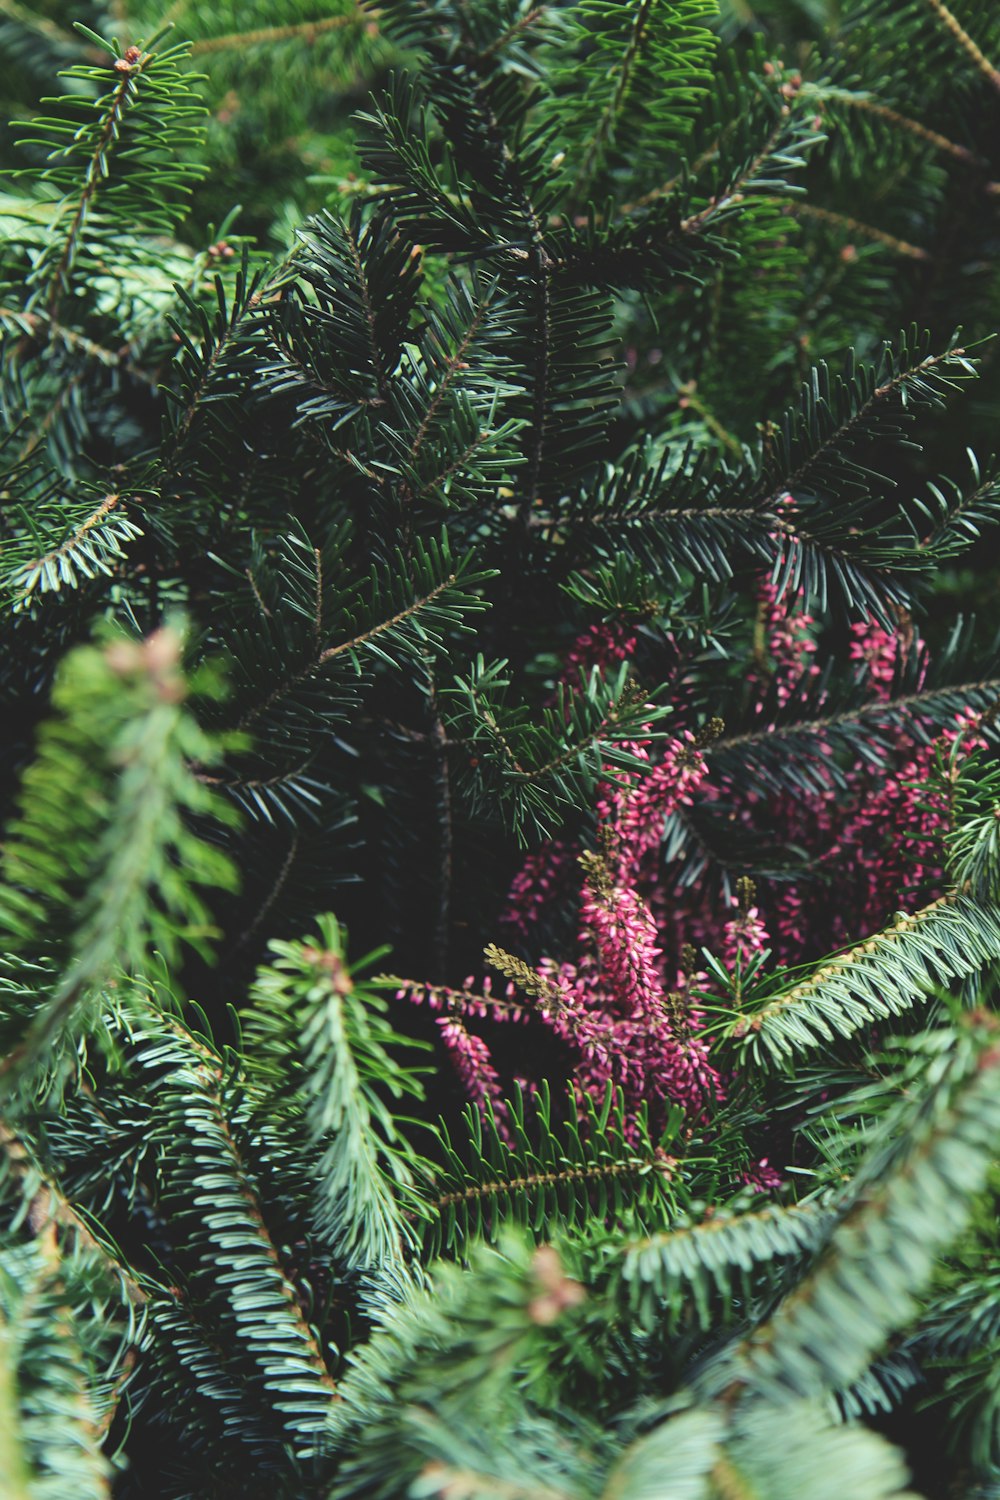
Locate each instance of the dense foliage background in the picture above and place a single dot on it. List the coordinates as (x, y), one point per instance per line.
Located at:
(462, 471)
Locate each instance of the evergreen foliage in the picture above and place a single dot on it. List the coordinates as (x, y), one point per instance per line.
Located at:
(524, 530)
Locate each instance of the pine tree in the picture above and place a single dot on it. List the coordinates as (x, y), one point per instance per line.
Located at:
(549, 559)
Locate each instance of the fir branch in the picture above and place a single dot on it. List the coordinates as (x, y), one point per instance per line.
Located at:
(852, 226)
(961, 514)
(612, 725)
(454, 363)
(885, 975)
(315, 1022)
(542, 1173)
(371, 637)
(516, 29)
(893, 117)
(639, 70)
(703, 1259)
(936, 704)
(973, 839)
(47, 1205)
(43, 429)
(52, 1431)
(121, 99)
(267, 36)
(95, 163)
(36, 322)
(533, 1182)
(534, 764)
(456, 465)
(211, 1187)
(965, 41)
(884, 1249)
(352, 239)
(438, 1356)
(93, 547)
(799, 1449)
(738, 184)
(604, 129)
(197, 369)
(112, 784)
(859, 412)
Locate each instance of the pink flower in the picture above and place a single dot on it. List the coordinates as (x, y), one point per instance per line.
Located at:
(762, 1177)
(744, 936)
(879, 650)
(544, 877)
(600, 646)
(472, 1062)
(619, 1004)
(788, 639)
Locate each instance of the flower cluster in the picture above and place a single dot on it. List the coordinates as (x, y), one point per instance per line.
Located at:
(879, 651)
(743, 936)
(636, 804)
(611, 1008)
(602, 646)
(787, 637)
(471, 1059)
(545, 877)
(624, 1007)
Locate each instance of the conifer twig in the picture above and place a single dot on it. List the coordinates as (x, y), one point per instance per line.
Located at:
(802, 209)
(599, 1171)
(905, 123)
(605, 126)
(265, 36)
(124, 97)
(965, 41)
(50, 1207)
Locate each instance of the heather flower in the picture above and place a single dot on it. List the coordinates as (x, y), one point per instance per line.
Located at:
(637, 804)
(621, 1010)
(602, 646)
(467, 1002)
(621, 929)
(745, 935)
(762, 1177)
(879, 650)
(543, 878)
(470, 1057)
(786, 634)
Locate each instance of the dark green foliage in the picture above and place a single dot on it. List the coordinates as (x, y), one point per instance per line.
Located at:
(67, 1341)
(592, 327)
(974, 847)
(890, 971)
(578, 1174)
(307, 1002)
(113, 774)
(760, 1384)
